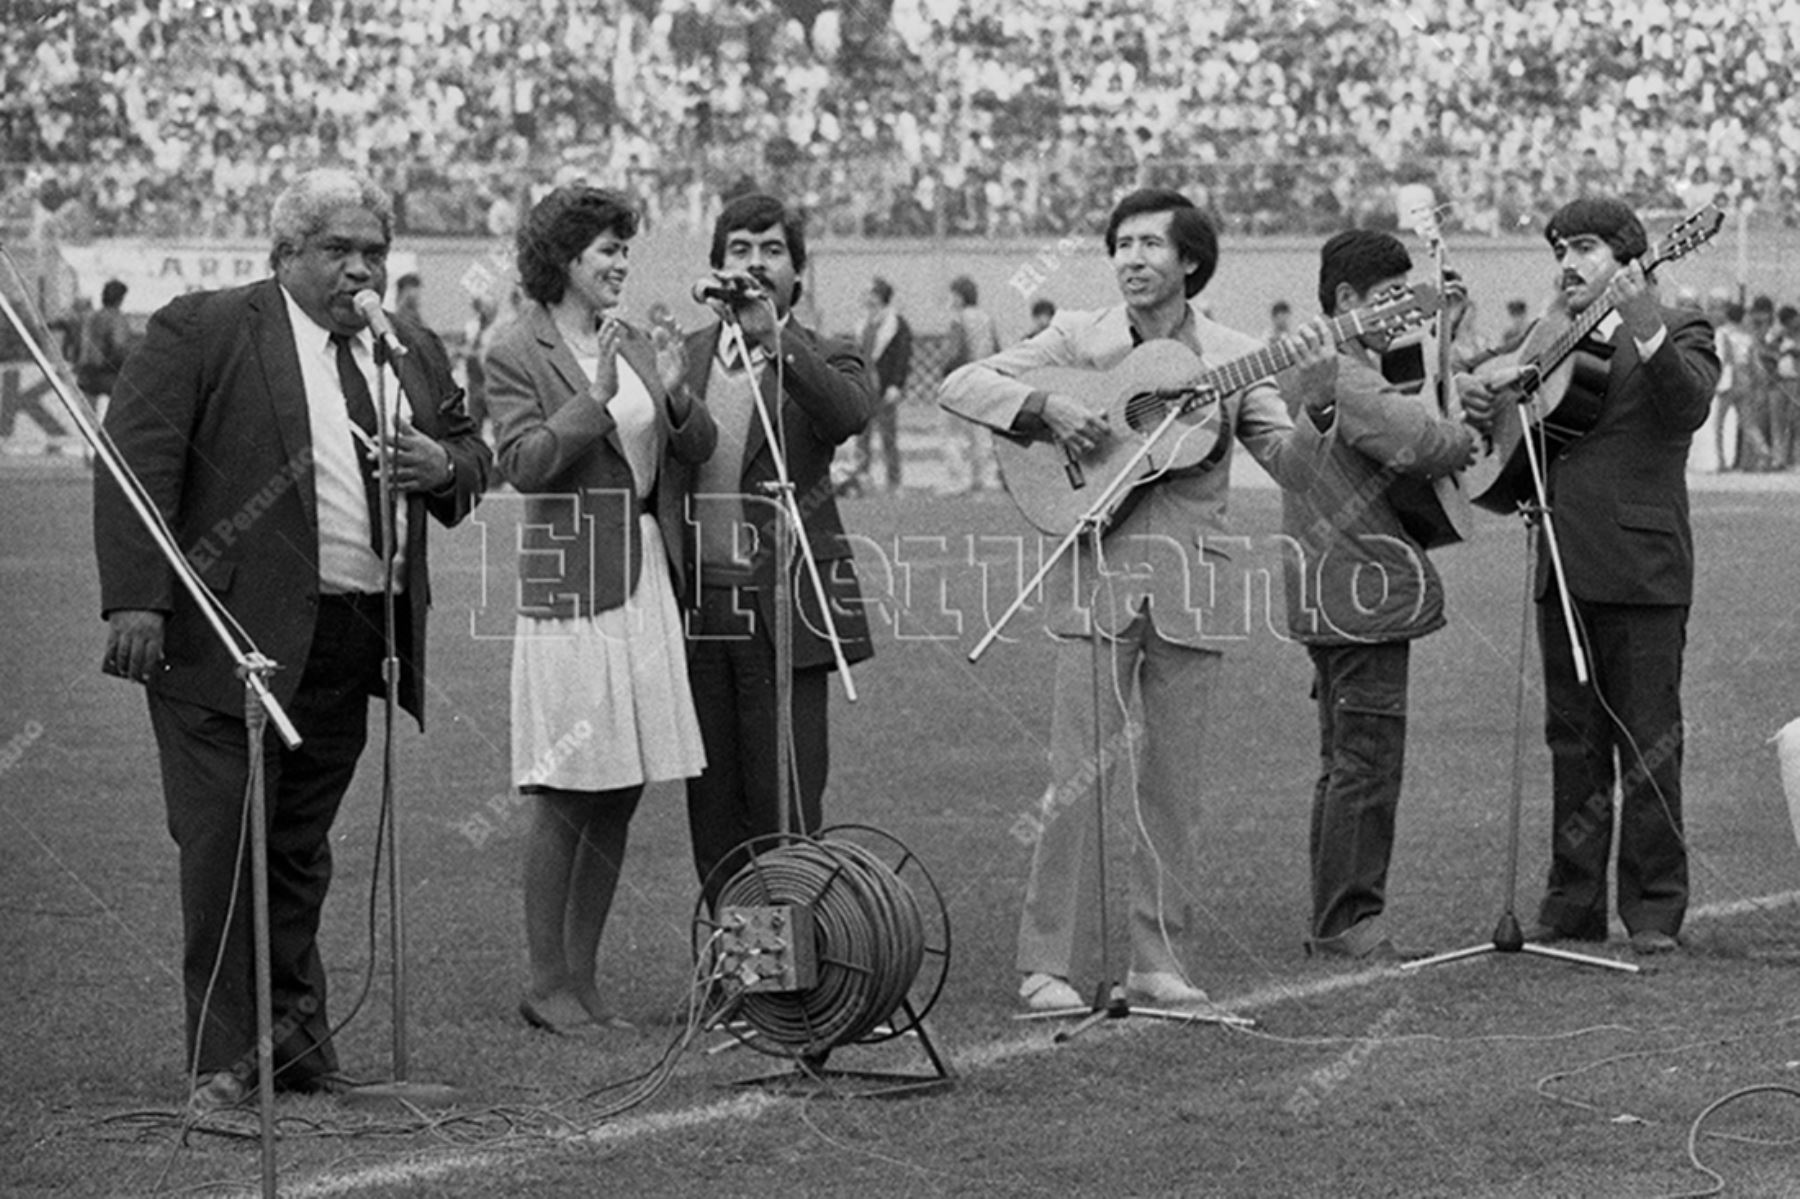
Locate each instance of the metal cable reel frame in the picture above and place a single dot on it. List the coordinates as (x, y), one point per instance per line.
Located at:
(878, 942)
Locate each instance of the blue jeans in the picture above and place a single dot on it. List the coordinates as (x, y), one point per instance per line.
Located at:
(1361, 692)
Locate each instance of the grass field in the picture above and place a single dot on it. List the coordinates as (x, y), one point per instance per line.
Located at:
(1504, 1076)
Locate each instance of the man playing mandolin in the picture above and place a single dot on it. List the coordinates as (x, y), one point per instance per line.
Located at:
(1157, 553)
(1360, 588)
(1618, 499)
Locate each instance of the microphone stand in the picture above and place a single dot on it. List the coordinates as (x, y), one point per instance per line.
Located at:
(401, 1090)
(261, 709)
(1508, 937)
(790, 531)
(1110, 1002)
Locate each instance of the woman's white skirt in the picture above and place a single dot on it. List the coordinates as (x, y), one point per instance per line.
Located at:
(601, 702)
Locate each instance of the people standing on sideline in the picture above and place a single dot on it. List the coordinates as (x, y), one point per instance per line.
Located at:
(1281, 320)
(972, 336)
(409, 297)
(1360, 588)
(478, 338)
(1618, 497)
(1151, 639)
(587, 412)
(106, 342)
(256, 401)
(822, 395)
(1518, 324)
(1043, 311)
(885, 342)
(1784, 388)
(1756, 388)
(68, 329)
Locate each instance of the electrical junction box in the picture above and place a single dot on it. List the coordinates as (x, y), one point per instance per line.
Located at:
(768, 947)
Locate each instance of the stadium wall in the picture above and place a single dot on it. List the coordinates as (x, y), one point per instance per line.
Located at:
(1072, 272)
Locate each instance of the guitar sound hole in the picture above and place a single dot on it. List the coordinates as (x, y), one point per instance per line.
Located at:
(1148, 409)
(1143, 412)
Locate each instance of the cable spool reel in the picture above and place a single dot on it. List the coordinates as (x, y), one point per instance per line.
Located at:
(819, 942)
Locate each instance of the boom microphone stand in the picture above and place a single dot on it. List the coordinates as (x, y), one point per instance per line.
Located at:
(1110, 1001)
(1508, 938)
(260, 710)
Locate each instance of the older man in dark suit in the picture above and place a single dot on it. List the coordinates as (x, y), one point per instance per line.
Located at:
(822, 397)
(1618, 496)
(247, 415)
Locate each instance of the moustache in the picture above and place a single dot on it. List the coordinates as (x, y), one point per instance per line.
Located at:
(1572, 280)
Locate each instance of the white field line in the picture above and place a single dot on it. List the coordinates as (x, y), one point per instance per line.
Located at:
(974, 1057)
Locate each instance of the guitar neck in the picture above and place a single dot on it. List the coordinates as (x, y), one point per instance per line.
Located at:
(1270, 360)
(1586, 323)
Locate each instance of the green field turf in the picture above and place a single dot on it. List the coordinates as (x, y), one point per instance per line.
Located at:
(1503, 1076)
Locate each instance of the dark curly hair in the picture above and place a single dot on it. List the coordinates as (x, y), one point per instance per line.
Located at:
(559, 227)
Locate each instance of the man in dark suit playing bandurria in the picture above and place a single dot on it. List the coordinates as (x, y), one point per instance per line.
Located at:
(1618, 497)
(825, 398)
(246, 414)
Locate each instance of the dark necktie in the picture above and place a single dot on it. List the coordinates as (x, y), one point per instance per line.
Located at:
(362, 411)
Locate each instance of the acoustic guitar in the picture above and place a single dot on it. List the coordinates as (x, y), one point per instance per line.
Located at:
(1564, 384)
(1054, 489)
(1434, 512)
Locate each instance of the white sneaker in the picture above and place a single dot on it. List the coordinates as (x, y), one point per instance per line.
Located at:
(1164, 989)
(1048, 993)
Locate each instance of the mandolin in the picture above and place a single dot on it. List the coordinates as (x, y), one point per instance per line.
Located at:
(1564, 384)
(1156, 381)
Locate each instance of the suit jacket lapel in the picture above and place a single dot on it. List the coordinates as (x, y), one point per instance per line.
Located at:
(1625, 356)
(273, 337)
(766, 381)
(563, 363)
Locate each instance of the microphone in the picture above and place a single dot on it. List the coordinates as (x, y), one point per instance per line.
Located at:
(368, 304)
(727, 289)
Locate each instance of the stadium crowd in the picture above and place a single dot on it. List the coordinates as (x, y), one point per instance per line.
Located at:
(897, 117)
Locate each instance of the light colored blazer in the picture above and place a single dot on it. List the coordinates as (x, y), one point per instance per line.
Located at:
(1171, 549)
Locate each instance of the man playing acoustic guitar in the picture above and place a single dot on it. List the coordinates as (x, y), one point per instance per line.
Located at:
(1157, 554)
(1360, 588)
(1618, 497)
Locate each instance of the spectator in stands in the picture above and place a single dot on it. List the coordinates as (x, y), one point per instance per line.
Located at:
(1043, 311)
(1301, 110)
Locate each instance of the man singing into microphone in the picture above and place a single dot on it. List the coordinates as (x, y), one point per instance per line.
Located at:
(248, 417)
(819, 396)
